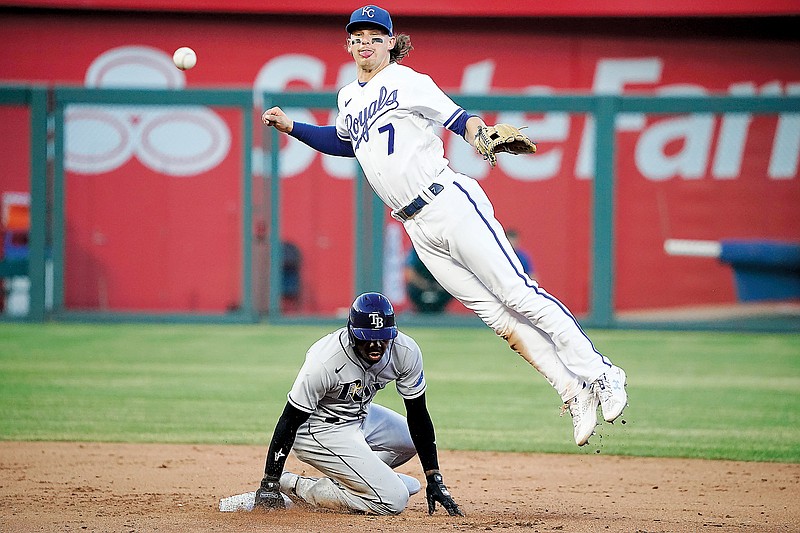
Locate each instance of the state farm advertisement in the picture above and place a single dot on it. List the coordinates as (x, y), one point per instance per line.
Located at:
(153, 194)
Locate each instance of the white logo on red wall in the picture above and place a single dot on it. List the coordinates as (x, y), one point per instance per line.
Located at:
(173, 140)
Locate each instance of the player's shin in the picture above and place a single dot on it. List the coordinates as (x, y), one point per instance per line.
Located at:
(322, 492)
(537, 349)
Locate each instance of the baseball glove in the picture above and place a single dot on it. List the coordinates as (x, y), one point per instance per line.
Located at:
(502, 138)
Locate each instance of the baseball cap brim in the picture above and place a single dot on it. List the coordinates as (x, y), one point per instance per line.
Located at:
(355, 26)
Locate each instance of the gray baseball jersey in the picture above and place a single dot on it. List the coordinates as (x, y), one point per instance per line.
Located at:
(336, 386)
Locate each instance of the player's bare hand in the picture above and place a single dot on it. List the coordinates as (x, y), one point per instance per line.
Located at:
(437, 492)
(276, 118)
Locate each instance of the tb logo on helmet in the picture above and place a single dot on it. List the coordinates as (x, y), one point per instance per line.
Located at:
(377, 320)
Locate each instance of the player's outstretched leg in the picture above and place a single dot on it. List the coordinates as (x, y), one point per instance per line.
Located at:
(326, 493)
(610, 391)
(317, 492)
(290, 483)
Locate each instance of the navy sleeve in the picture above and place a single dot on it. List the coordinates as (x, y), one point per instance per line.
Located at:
(322, 138)
(459, 125)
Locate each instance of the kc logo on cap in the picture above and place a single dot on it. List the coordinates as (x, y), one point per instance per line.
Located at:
(370, 16)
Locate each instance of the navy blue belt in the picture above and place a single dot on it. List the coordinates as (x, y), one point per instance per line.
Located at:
(418, 203)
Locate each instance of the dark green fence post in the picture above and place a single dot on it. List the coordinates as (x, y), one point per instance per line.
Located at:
(57, 216)
(248, 302)
(275, 251)
(368, 264)
(37, 236)
(601, 305)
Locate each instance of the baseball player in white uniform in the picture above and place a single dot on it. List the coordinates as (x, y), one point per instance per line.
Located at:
(331, 423)
(386, 120)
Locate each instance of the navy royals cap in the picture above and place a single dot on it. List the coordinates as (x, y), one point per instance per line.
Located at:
(373, 15)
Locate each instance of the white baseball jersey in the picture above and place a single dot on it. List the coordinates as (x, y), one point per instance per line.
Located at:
(336, 386)
(390, 123)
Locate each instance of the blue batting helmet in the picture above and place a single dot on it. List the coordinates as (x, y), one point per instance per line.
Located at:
(372, 318)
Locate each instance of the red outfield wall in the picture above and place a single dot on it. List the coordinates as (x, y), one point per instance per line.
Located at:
(700, 177)
(462, 8)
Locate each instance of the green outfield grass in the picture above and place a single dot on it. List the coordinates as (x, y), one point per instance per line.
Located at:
(692, 394)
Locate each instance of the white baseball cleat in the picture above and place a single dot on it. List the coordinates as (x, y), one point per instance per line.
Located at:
(583, 409)
(288, 482)
(610, 391)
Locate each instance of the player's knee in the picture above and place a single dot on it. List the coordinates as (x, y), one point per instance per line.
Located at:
(503, 325)
(412, 484)
(394, 498)
(397, 501)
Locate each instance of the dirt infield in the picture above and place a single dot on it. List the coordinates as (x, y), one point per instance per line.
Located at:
(131, 488)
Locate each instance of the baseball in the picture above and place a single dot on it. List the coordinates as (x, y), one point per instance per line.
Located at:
(184, 58)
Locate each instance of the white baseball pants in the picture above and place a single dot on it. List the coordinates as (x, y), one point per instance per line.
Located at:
(465, 248)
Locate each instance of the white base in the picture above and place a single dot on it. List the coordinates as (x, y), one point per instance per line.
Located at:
(245, 502)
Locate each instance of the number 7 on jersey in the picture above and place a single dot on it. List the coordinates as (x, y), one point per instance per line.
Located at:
(390, 128)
